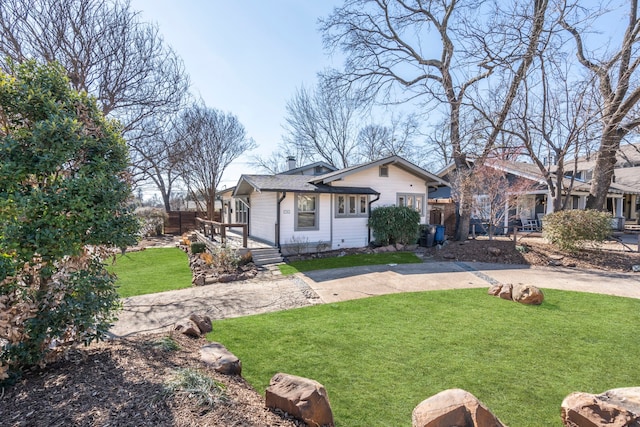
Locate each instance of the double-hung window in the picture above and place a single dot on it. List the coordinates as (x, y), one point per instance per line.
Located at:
(351, 205)
(414, 201)
(241, 212)
(306, 212)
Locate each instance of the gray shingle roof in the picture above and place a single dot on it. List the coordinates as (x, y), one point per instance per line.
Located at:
(297, 183)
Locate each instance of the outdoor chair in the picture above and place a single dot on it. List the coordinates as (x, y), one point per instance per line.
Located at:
(529, 224)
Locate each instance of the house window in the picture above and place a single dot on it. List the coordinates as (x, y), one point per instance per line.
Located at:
(351, 205)
(306, 212)
(384, 171)
(414, 201)
(241, 212)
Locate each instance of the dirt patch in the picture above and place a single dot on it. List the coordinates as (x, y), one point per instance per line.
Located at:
(123, 383)
(534, 251)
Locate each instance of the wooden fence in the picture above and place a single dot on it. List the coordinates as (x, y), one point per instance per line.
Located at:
(179, 222)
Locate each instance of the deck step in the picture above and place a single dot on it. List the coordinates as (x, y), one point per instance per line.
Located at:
(266, 256)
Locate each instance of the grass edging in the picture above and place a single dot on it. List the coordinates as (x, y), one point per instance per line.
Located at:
(353, 260)
(379, 357)
(150, 271)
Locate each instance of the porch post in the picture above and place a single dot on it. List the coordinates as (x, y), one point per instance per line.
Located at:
(619, 212)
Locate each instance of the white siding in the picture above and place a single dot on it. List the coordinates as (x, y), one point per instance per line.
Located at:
(313, 237)
(262, 221)
(352, 232)
(398, 182)
(349, 233)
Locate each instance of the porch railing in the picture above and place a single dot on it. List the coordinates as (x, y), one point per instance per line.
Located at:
(210, 229)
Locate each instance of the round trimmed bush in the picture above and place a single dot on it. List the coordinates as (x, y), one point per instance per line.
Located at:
(572, 230)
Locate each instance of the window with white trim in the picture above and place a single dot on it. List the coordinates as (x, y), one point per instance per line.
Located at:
(241, 212)
(352, 205)
(306, 212)
(415, 201)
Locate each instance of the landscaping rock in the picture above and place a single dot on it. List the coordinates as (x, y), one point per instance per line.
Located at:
(187, 327)
(199, 279)
(216, 356)
(300, 397)
(493, 251)
(616, 408)
(411, 247)
(527, 294)
(202, 321)
(494, 290)
(505, 291)
(226, 278)
(635, 268)
(453, 407)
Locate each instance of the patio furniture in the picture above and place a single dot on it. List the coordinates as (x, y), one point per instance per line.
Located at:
(529, 224)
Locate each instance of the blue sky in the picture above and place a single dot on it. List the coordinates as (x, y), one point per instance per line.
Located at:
(245, 57)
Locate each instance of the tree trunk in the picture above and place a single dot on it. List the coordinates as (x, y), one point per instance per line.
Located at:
(167, 203)
(211, 204)
(603, 171)
(460, 160)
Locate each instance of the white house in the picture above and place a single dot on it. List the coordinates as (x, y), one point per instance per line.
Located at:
(318, 207)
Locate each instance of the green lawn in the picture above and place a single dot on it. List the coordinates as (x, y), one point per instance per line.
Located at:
(150, 271)
(349, 261)
(379, 357)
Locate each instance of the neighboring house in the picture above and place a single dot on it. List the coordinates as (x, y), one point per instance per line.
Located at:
(626, 177)
(319, 207)
(533, 204)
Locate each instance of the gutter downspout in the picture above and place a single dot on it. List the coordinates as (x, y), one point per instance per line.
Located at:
(368, 227)
(284, 194)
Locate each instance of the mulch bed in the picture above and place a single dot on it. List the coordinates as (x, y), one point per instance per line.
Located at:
(123, 383)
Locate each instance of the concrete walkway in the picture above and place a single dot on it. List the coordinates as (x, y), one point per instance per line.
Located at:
(156, 312)
(358, 282)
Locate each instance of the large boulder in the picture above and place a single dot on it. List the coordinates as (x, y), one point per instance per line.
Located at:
(453, 408)
(618, 407)
(216, 356)
(494, 290)
(505, 291)
(203, 321)
(524, 294)
(300, 397)
(527, 294)
(187, 327)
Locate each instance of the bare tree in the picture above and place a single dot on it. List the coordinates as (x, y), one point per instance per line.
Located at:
(553, 119)
(108, 52)
(493, 192)
(388, 47)
(617, 73)
(210, 140)
(376, 141)
(323, 124)
(159, 156)
(278, 161)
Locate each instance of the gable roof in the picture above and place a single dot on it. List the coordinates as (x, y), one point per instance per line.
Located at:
(299, 169)
(296, 183)
(628, 155)
(321, 183)
(532, 172)
(392, 160)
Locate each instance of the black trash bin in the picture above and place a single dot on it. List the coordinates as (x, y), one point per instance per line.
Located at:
(431, 236)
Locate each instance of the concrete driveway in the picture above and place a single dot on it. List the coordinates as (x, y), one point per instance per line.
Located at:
(358, 282)
(156, 312)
